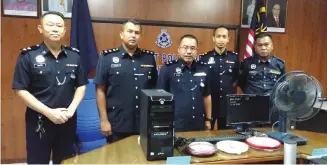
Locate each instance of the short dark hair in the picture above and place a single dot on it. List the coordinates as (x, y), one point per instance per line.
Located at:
(262, 35)
(188, 36)
(133, 22)
(53, 13)
(224, 27)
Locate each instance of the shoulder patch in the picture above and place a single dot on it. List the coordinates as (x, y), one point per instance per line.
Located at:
(147, 51)
(25, 50)
(206, 53)
(170, 62)
(72, 49)
(108, 51)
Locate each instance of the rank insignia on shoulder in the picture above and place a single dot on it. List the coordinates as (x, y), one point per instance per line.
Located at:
(35, 47)
(147, 51)
(169, 62)
(108, 51)
(72, 49)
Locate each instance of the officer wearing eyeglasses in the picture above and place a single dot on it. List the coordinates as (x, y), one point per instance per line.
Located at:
(188, 81)
(224, 68)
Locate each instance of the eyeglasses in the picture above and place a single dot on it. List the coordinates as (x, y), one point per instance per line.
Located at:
(192, 48)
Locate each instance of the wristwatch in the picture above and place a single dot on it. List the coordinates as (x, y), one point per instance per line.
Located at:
(208, 119)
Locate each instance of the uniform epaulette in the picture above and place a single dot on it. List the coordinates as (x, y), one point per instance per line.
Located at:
(279, 59)
(234, 53)
(72, 49)
(147, 51)
(201, 63)
(25, 50)
(170, 62)
(204, 53)
(108, 51)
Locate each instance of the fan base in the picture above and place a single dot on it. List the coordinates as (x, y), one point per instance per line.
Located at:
(282, 136)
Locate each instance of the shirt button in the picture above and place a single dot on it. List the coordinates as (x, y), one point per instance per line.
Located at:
(135, 78)
(191, 80)
(264, 68)
(134, 68)
(221, 66)
(117, 72)
(57, 61)
(133, 61)
(264, 84)
(136, 87)
(58, 72)
(221, 81)
(193, 117)
(221, 59)
(210, 66)
(193, 107)
(113, 107)
(264, 76)
(137, 106)
(221, 96)
(221, 89)
(136, 97)
(193, 98)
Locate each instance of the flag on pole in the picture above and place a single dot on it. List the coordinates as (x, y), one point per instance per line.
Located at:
(81, 36)
(258, 25)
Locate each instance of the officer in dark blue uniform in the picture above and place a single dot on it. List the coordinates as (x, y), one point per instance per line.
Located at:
(259, 73)
(224, 69)
(51, 80)
(187, 80)
(121, 73)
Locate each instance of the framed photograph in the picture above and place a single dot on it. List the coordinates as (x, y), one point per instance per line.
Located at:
(247, 12)
(276, 15)
(22, 8)
(62, 6)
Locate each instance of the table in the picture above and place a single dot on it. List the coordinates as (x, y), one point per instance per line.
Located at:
(128, 151)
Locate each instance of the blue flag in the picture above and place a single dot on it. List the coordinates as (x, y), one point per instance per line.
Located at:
(81, 35)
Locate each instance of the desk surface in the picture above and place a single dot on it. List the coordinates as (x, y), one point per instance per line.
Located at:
(128, 151)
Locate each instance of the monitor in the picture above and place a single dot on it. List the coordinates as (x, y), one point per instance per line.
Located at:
(246, 110)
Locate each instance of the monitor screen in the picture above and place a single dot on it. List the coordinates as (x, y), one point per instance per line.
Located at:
(245, 108)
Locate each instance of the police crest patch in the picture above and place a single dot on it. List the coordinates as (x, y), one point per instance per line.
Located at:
(163, 39)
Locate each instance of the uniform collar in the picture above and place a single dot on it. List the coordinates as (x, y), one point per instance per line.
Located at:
(124, 53)
(181, 64)
(217, 54)
(45, 51)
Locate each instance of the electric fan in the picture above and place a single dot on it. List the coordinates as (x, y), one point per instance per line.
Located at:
(296, 96)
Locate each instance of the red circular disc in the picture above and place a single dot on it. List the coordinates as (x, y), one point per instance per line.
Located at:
(265, 143)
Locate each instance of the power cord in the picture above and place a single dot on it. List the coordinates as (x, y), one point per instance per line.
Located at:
(272, 127)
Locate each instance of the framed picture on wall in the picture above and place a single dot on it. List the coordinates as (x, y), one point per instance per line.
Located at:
(276, 15)
(62, 6)
(247, 12)
(22, 8)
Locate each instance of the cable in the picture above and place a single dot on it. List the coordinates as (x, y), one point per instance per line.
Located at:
(272, 127)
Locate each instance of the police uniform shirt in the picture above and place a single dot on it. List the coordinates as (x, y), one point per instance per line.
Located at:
(224, 71)
(257, 77)
(124, 77)
(52, 81)
(188, 85)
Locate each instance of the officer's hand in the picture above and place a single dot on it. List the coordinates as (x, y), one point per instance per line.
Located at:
(207, 125)
(105, 128)
(69, 113)
(58, 115)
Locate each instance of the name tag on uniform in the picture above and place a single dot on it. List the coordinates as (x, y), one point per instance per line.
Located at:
(200, 74)
(39, 65)
(230, 62)
(71, 65)
(147, 66)
(138, 74)
(115, 65)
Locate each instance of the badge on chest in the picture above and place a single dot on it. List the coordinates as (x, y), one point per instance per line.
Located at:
(178, 72)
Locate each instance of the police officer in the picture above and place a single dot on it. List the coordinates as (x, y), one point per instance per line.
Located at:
(51, 80)
(120, 75)
(224, 69)
(187, 80)
(259, 73)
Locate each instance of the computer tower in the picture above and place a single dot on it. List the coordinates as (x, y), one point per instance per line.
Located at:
(157, 128)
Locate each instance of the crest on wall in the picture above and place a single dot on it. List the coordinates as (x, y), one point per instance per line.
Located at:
(163, 39)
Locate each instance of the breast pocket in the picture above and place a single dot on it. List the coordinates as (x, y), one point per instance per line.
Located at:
(43, 77)
(71, 75)
(117, 76)
(178, 84)
(229, 68)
